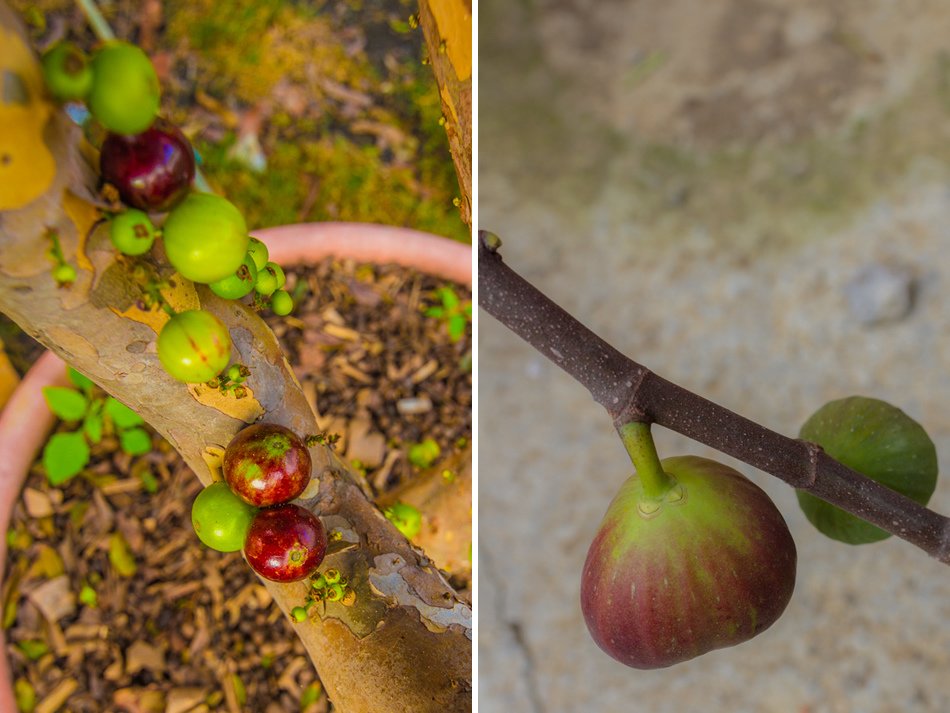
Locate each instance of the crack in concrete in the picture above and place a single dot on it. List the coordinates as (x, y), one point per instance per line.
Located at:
(517, 630)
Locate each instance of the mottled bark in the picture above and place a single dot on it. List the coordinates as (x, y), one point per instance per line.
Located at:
(447, 25)
(405, 644)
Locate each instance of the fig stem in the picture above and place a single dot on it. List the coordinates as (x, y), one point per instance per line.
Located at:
(638, 440)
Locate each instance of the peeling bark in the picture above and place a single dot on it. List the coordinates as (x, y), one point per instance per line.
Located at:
(447, 25)
(405, 644)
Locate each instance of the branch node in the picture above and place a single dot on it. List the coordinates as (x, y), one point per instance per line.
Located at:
(814, 451)
(632, 409)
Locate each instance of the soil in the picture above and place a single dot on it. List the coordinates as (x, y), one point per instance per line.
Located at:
(175, 626)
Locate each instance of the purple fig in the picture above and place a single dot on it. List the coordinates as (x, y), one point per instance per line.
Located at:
(710, 564)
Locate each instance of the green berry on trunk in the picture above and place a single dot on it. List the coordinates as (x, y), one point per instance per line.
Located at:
(278, 273)
(64, 274)
(67, 72)
(239, 283)
(266, 281)
(334, 593)
(299, 614)
(132, 232)
(220, 518)
(281, 303)
(205, 238)
(125, 93)
(258, 252)
(332, 576)
(194, 346)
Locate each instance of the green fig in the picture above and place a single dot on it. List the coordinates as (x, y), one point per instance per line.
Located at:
(709, 564)
(877, 440)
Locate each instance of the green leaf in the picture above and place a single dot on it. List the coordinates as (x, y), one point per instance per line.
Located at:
(65, 455)
(311, 694)
(67, 404)
(239, 691)
(135, 441)
(88, 596)
(92, 427)
(121, 557)
(456, 327)
(149, 481)
(122, 416)
(423, 455)
(434, 312)
(82, 382)
(877, 440)
(25, 696)
(33, 649)
(450, 300)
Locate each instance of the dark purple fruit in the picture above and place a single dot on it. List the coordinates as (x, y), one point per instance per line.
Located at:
(266, 464)
(285, 543)
(152, 170)
(709, 565)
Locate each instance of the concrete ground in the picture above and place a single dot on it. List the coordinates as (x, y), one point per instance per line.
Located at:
(702, 184)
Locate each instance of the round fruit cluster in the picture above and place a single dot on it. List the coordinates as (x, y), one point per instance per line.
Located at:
(151, 165)
(265, 467)
(328, 586)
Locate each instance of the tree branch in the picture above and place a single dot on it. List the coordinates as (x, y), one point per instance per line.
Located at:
(405, 644)
(631, 392)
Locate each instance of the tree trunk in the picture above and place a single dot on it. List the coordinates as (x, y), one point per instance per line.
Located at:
(405, 644)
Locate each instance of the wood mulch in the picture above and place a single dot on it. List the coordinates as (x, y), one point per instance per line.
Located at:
(112, 604)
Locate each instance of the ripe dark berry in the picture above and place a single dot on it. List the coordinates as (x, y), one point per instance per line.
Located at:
(267, 464)
(285, 543)
(152, 170)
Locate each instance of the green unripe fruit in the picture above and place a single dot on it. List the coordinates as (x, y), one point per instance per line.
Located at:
(132, 232)
(125, 92)
(194, 346)
(406, 518)
(877, 440)
(258, 252)
(299, 614)
(319, 582)
(266, 281)
(278, 273)
(334, 593)
(67, 72)
(332, 576)
(64, 274)
(281, 303)
(220, 518)
(205, 238)
(238, 284)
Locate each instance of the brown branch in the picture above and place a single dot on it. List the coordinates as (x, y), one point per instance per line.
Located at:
(405, 644)
(631, 392)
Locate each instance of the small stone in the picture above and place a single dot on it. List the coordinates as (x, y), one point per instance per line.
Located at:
(184, 699)
(144, 657)
(37, 503)
(409, 407)
(880, 294)
(54, 598)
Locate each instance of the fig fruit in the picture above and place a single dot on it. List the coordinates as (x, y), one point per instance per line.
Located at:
(266, 464)
(285, 543)
(877, 440)
(710, 564)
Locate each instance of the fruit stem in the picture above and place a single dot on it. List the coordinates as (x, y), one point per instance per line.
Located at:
(98, 22)
(638, 441)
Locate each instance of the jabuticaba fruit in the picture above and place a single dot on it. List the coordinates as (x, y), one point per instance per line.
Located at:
(709, 565)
